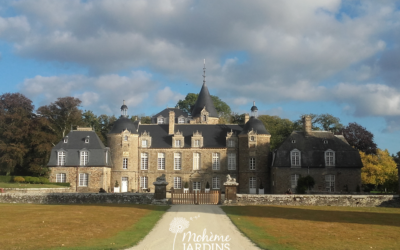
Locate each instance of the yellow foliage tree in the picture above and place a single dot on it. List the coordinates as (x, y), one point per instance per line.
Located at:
(379, 169)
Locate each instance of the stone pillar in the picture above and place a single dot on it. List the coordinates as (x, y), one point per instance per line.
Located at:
(246, 118)
(171, 123)
(160, 190)
(230, 188)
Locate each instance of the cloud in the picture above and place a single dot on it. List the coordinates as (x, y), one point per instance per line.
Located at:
(167, 96)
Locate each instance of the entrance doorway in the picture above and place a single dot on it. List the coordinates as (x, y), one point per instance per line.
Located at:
(124, 185)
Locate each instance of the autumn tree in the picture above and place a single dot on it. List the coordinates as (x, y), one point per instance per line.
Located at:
(279, 128)
(360, 138)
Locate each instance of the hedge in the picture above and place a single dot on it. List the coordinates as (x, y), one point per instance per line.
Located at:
(6, 178)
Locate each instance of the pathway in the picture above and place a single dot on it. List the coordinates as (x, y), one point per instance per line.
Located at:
(204, 222)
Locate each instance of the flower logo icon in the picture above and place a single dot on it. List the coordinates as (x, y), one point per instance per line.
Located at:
(177, 225)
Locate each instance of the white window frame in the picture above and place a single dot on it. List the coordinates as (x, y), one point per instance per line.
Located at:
(216, 182)
(196, 185)
(329, 158)
(61, 177)
(216, 161)
(61, 158)
(293, 180)
(161, 161)
(231, 143)
(84, 158)
(196, 161)
(125, 162)
(65, 140)
(181, 120)
(231, 161)
(83, 179)
(252, 182)
(178, 143)
(106, 156)
(160, 120)
(196, 143)
(177, 182)
(144, 182)
(144, 143)
(330, 183)
(252, 163)
(295, 158)
(177, 161)
(125, 138)
(144, 161)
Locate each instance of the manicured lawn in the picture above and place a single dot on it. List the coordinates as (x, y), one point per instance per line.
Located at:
(284, 227)
(108, 226)
(27, 185)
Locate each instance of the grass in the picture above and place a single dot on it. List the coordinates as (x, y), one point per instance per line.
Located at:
(78, 227)
(283, 227)
(27, 185)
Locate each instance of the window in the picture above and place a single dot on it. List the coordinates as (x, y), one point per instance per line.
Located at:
(293, 180)
(215, 183)
(329, 158)
(252, 138)
(215, 161)
(325, 141)
(83, 180)
(61, 158)
(178, 143)
(84, 158)
(144, 143)
(66, 139)
(293, 141)
(61, 178)
(125, 138)
(295, 158)
(144, 161)
(144, 182)
(177, 161)
(196, 185)
(204, 118)
(231, 143)
(106, 156)
(197, 143)
(196, 161)
(177, 182)
(125, 163)
(87, 139)
(161, 161)
(252, 163)
(181, 120)
(330, 182)
(160, 120)
(231, 161)
(252, 182)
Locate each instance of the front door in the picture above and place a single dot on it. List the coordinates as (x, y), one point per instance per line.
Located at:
(124, 185)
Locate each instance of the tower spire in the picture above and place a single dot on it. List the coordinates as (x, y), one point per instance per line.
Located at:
(204, 73)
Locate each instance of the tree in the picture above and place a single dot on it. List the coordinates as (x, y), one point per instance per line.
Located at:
(190, 100)
(298, 124)
(279, 128)
(396, 158)
(62, 115)
(304, 184)
(15, 123)
(235, 118)
(324, 122)
(379, 170)
(359, 138)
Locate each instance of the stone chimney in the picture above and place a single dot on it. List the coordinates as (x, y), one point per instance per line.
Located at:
(246, 118)
(171, 122)
(307, 124)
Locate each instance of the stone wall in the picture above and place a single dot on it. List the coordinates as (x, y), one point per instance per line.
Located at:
(80, 198)
(319, 200)
(39, 190)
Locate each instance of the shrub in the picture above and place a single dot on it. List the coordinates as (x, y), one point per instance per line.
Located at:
(19, 179)
(186, 185)
(207, 185)
(27, 179)
(304, 183)
(6, 178)
(35, 180)
(116, 184)
(44, 180)
(261, 185)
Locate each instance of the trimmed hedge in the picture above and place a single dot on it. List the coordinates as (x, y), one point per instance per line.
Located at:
(64, 184)
(6, 178)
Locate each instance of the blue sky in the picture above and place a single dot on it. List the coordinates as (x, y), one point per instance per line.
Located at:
(291, 57)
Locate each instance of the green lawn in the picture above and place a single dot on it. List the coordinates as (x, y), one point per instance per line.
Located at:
(78, 227)
(27, 185)
(287, 227)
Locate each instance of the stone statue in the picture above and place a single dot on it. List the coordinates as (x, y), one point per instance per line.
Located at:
(230, 179)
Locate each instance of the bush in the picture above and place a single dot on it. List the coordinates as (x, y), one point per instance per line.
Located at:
(6, 178)
(186, 185)
(64, 184)
(44, 180)
(116, 184)
(27, 179)
(35, 180)
(304, 184)
(207, 185)
(19, 179)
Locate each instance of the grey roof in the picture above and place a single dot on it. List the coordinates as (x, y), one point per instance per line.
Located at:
(124, 123)
(165, 112)
(214, 136)
(204, 100)
(312, 148)
(255, 125)
(76, 143)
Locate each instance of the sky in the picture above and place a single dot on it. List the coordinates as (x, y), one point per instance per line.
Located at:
(290, 57)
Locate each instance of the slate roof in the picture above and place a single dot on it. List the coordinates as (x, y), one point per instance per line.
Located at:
(124, 123)
(256, 125)
(165, 113)
(204, 100)
(214, 136)
(312, 150)
(76, 142)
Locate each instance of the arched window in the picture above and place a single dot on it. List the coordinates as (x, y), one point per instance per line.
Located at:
(295, 158)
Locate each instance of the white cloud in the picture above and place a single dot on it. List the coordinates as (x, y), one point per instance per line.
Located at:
(167, 96)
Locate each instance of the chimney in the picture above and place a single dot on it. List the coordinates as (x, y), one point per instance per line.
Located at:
(307, 124)
(246, 118)
(171, 122)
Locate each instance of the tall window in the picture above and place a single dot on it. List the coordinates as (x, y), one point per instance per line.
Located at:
(61, 158)
(196, 185)
(197, 143)
(144, 161)
(144, 143)
(177, 161)
(215, 183)
(160, 120)
(329, 158)
(252, 163)
(61, 177)
(106, 156)
(196, 161)
(231, 143)
(252, 182)
(295, 157)
(178, 143)
(144, 182)
(84, 158)
(293, 180)
(177, 182)
(161, 161)
(204, 118)
(83, 180)
(330, 182)
(215, 161)
(231, 161)
(125, 138)
(125, 163)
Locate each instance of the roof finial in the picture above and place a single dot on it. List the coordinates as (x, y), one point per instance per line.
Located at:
(123, 102)
(204, 73)
(254, 103)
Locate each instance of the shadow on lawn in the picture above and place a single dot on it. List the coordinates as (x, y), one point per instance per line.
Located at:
(292, 213)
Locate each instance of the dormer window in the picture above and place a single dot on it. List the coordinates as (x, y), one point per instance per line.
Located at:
(84, 158)
(181, 120)
(330, 158)
(325, 141)
(197, 139)
(144, 143)
(125, 138)
(197, 143)
(231, 143)
(204, 118)
(252, 138)
(87, 139)
(295, 158)
(66, 139)
(160, 120)
(293, 141)
(61, 158)
(178, 143)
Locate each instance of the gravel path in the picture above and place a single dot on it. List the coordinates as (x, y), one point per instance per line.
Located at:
(196, 228)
